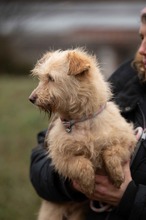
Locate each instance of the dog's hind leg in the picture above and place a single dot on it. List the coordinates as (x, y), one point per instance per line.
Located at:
(50, 211)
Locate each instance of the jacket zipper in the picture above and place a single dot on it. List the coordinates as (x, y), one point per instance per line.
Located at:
(143, 117)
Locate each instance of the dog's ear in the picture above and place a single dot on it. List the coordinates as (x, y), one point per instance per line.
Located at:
(77, 63)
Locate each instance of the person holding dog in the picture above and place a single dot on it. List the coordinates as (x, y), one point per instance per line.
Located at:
(129, 201)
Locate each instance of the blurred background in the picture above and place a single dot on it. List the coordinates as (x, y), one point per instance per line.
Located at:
(108, 29)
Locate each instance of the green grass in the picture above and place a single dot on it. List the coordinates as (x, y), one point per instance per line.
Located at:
(19, 123)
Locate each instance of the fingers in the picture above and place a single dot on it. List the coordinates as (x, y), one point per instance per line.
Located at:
(101, 179)
(77, 187)
(105, 191)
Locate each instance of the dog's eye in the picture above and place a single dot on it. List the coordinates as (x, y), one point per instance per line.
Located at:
(50, 78)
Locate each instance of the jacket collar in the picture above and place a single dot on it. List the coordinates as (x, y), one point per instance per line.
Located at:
(127, 88)
(130, 94)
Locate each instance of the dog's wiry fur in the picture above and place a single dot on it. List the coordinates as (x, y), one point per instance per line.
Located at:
(72, 86)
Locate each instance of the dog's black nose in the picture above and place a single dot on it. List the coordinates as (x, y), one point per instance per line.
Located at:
(32, 98)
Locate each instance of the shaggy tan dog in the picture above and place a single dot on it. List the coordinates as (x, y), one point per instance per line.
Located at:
(89, 133)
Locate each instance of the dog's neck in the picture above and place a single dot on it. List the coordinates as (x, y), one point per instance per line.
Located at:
(69, 123)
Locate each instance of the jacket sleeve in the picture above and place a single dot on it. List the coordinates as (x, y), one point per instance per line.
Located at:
(133, 203)
(48, 184)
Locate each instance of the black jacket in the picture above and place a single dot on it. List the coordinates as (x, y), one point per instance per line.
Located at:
(130, 95)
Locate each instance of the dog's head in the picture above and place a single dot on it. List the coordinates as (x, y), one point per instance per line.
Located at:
(68, 83)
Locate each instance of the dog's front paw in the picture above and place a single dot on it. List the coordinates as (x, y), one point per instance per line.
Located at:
(87, 181)
(118, 180)
(81, 170)
(87, 188)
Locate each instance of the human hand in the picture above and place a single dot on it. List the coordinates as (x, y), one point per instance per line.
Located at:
(105, 191)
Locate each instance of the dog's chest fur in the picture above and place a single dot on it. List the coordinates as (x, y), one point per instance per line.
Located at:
(80, 141)
(89, 138)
